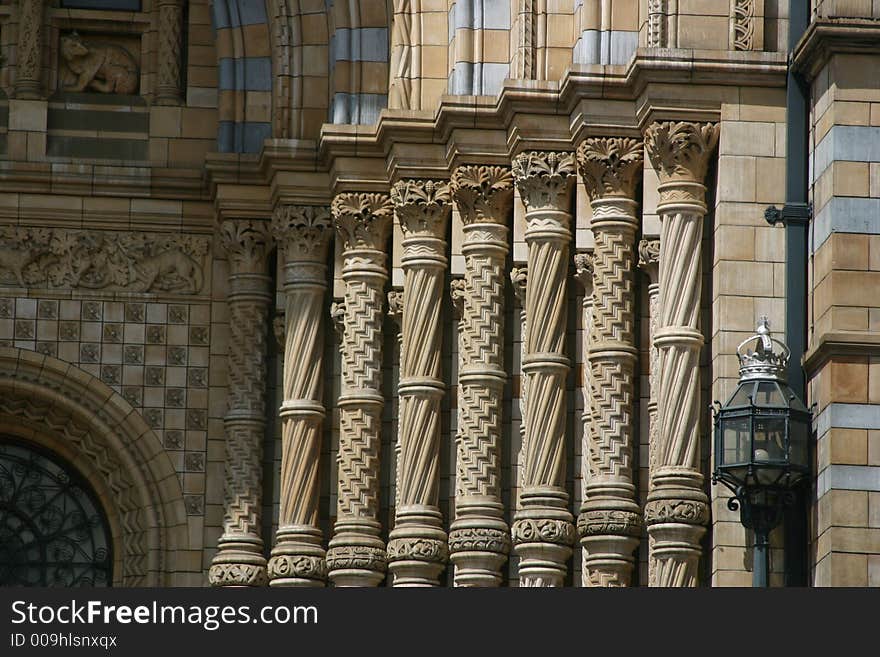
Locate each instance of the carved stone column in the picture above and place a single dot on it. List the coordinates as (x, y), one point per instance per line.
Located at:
(583, 272)
(677, 509)
(303, 234)
(610, 518)
(356, 555)
(519, 277)
(29, 74)
(543, 532)
(417, 548)
(479, 540)
(239, 560)
(168, 83)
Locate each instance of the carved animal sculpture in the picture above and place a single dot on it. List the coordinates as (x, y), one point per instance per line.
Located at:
(106, 68)
(16, 260)
(174, 262)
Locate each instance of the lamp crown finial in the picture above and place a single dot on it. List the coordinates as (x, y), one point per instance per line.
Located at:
(769, 357)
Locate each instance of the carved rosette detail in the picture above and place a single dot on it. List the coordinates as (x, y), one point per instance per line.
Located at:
(610, 168)
(168, 83)
(28, 83)
(356, 555)
(484, 196)
(417, 544)
(544, 180)
(303, 232)
(680, 152)
(237, 574)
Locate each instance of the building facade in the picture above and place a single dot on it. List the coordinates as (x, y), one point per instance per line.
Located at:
(427, 292)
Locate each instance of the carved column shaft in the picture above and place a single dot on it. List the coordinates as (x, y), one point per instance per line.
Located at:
(479, 540)
(239, 560)
(171, 27)
(28, 80)
(610, 518)
(417, 546)
(583, 267)
(356, 555)
(677, 509)
(543, 532)
(304, 234)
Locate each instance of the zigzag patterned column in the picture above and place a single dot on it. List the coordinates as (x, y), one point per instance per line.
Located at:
(417, 547)
(610, 518)
(542, 530)
(677, 509)
(356, 554)
(303, 233)
(239, 560)
(479, 540)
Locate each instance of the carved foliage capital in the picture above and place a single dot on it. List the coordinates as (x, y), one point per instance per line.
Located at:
(679, 150)
(610, 166)
(483, 193)
(362, 220)
(422, 207)
(519, 277)
(649, 258)
(303, 231)
(583, 270)
(247, 242)
(544, 178)
(395, 306)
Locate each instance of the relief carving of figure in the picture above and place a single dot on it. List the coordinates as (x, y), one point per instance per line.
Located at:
(103, 67)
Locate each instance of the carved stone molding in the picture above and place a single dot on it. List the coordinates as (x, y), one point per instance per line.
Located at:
(417, 544)
(610, 168)
(28, 80)
(171, 28)
(680, 152)
(544, 180)
(239, 560)
(484, 197)
(356, 555)
(102, 260)
(303, 233)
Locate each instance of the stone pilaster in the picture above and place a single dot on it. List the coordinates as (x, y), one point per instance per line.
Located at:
(479, 539)
(356, 554)
(303, 234)
(417, 546)
(583, 272)
(610, 518)
(239, 560)
(29, 74)
(542, 531)
(677, 509)
(519, 278)
(168, 83)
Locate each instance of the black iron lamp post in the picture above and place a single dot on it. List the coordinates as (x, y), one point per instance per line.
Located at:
(762, 439)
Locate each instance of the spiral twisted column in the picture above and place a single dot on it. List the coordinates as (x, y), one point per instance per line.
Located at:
(610, 518)
(417, 546)
(303, 233)
(356, 554)
(239, 560)
(677, 510)
(542, 531)
(479, 539)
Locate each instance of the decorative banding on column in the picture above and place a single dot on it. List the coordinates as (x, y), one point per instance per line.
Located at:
(677, 510)
(417, 546)
(479, 539)
(356, 554)
(171, 27)
(609, 522)
(303, 234)
(29, 52)
(543, 532)
(239, 560)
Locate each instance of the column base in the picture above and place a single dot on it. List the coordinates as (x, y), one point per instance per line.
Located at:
(356, 555)
(417, 547)
(297, 558)
(239, 562)
(478, 545)
(543, 534)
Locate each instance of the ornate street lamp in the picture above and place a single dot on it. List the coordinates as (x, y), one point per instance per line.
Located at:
(762, 437)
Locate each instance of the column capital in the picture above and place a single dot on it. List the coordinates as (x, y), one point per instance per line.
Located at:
(484, 194)
(679, 150)
(610, 166)
(303, 232)
(649, 258)
(583, 270)
(248, 243)
(544, 179)
(422, 207)
(362, 220)
(519, 278)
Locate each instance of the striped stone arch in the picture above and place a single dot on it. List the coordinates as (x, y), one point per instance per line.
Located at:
(62, 408)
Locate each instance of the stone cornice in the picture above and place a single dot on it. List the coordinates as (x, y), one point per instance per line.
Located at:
(839, 343)
(826, 37)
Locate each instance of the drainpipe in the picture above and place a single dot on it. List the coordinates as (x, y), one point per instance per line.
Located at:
(795, 216)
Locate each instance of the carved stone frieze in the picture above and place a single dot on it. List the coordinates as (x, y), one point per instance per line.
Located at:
(102, 260)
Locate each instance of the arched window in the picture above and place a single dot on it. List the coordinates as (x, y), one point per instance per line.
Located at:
(53, 531)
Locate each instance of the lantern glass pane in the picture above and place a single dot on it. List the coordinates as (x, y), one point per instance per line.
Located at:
(769, 445)
(769, 394)
(742, 394)
(735, 440)
(799, 434)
